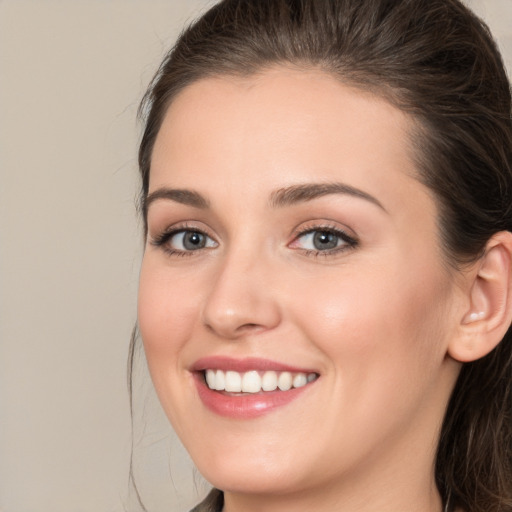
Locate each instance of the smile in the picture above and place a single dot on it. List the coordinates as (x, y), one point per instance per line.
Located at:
(254, 381)
(251, 387)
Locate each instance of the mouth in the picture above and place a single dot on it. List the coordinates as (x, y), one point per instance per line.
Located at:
(249, 388)
(254, 381)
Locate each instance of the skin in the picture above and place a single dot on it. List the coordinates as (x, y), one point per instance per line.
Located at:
(374, 320)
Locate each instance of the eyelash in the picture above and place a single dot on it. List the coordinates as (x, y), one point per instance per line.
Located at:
(349, 242)
(164, 237)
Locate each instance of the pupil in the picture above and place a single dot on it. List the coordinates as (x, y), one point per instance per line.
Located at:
(193, 241)
(325, 240)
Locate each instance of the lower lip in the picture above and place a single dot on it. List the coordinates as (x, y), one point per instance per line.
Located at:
(247, 405)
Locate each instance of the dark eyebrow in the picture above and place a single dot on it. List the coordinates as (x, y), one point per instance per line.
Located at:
(183, 196)
(306, 192)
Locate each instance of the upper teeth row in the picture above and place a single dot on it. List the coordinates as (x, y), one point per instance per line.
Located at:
(254, 382)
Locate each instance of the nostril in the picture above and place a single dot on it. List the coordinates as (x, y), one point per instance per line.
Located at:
(249, 327)
(237, 331)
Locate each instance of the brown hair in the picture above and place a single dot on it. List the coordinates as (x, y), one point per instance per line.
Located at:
(436, 61)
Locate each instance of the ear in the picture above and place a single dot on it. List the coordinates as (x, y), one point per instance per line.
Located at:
(486, 320)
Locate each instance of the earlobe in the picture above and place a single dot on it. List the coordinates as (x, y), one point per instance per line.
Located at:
(489, 315)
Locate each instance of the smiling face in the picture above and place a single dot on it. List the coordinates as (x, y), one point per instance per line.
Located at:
(290, 245)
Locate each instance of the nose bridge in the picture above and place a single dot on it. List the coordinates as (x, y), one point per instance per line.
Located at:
(241, 297)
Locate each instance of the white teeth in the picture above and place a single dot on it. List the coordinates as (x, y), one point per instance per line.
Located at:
(233, 382)
(251, 382)
(255, 382)
(285, 381)
(210, 378)
(220, 380)
(299, 380)
(269, 381)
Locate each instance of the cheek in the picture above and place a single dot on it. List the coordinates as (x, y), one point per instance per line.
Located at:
(383, 340)
(166, 314)
(388, 322)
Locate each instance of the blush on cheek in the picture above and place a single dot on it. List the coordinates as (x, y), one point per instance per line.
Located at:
(347, 318)
(153, 312)
(167, 315)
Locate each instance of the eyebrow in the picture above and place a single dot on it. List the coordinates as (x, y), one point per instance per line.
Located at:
(309, 191)
(183, 196)
(279, 198)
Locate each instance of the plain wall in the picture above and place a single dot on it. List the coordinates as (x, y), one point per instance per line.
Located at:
(71, 76)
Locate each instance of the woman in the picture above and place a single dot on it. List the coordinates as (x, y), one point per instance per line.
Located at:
(325, 291)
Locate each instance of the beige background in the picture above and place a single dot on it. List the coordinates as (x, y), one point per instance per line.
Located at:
(71, 75)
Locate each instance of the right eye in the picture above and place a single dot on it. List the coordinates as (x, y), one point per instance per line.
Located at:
(184, 241)
(190, 241)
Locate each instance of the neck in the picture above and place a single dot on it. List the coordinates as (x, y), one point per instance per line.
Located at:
(350, 496)
(322, 503)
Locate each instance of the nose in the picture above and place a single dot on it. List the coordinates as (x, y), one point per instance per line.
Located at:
(242, 300)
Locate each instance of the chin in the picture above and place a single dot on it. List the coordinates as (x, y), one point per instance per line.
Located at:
(252, 482)
(240, 473)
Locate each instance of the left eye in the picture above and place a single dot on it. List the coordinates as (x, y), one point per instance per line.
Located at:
(322, 240)
(190, 241)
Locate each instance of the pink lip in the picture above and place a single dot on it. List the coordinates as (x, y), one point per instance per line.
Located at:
(246, 405)
(244, 365)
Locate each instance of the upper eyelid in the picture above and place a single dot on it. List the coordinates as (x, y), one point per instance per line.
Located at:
(295, 232)
(163, 236)
(302, 229)
(326, 225)
(336, 231)
(182, 226)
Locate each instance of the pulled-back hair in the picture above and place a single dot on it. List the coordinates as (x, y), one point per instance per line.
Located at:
(436, 61)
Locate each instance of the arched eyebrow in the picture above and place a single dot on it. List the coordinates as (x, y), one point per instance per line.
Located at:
(183, 196)
(279, 198)
(309, 191)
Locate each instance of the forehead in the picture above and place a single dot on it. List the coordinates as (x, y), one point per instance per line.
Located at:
(280, 127)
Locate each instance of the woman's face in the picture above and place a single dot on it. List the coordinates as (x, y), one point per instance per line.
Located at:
(290, 244)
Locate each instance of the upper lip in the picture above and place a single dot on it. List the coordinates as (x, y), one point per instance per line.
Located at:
(245, 364)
